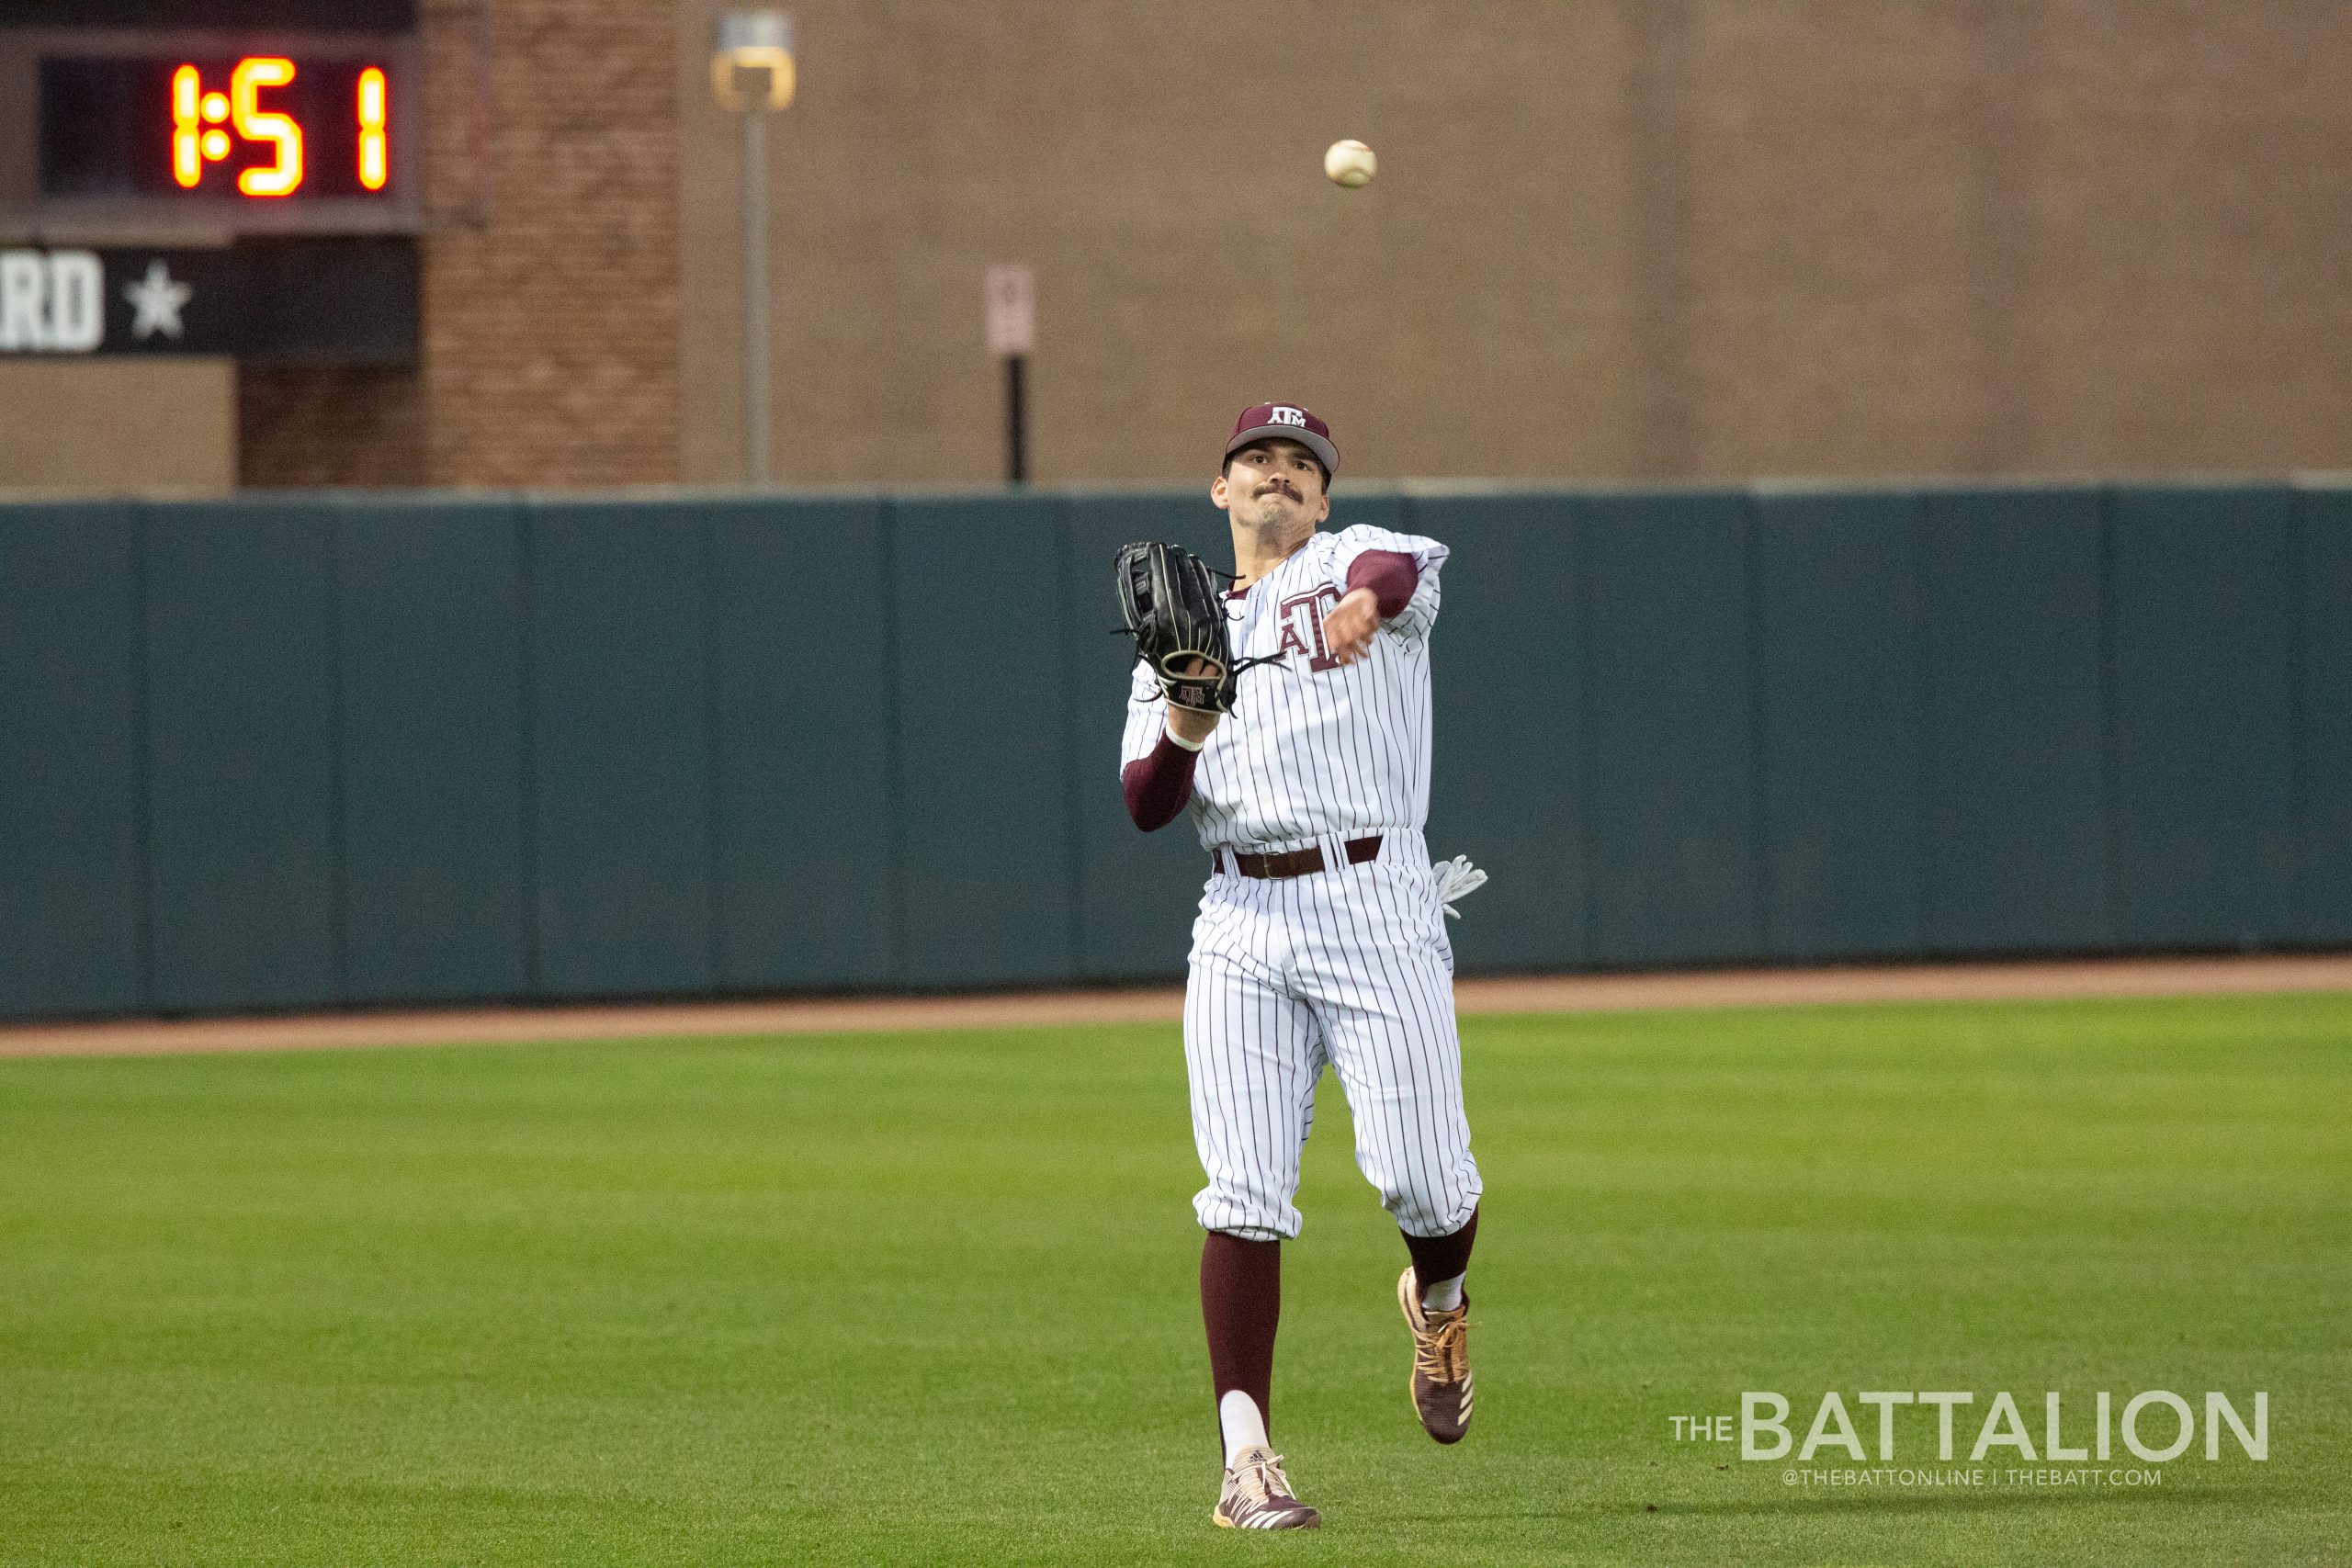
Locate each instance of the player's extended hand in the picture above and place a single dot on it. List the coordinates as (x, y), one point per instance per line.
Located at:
(1347, 631)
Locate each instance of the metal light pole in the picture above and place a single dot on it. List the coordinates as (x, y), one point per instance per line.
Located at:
(755, 40)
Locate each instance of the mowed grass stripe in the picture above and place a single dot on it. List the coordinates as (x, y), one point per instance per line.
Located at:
(929, 1297)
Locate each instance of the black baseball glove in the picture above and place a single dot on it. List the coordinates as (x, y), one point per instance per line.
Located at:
(1175, 611)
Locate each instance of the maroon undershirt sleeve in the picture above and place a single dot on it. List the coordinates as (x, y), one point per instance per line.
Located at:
(1392, 575)
(1158, 786)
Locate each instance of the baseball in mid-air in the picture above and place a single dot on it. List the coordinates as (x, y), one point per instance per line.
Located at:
(1350, 163)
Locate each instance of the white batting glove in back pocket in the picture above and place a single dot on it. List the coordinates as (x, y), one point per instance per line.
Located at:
(1456, 878)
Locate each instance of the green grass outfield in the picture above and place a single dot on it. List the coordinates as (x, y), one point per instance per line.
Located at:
(930, 1297)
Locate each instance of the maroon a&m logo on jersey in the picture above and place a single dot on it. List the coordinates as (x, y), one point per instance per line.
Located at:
(1302, 623)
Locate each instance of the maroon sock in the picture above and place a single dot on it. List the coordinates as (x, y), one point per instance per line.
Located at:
(1439, 1257)
(1242, 1300)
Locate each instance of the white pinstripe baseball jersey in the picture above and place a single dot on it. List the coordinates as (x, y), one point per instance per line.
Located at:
(1348, 967)
(1312, 747)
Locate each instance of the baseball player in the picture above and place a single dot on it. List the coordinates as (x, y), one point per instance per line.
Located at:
(1321, 936)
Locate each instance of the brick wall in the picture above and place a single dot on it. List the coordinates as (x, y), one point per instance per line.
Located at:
(1611, 239)
(328, 425)
(551, 275)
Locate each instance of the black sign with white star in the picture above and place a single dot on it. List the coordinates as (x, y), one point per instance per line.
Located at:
(325, 302)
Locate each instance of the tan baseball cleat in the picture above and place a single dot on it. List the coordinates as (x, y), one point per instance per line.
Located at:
(1440, 1382)
(1257, 1496)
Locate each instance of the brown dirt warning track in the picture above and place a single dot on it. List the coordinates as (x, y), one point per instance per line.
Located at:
(1564, 993)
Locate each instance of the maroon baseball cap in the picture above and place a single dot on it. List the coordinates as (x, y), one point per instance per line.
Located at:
(1291, 422)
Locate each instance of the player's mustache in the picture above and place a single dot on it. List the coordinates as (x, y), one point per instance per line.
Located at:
(1274, 485)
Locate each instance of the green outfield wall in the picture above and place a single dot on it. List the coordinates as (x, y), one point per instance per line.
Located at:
(327, 751)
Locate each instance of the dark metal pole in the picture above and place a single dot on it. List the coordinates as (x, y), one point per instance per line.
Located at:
(1017, 420)
(755, 291)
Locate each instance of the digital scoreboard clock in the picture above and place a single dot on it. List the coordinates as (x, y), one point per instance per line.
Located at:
(205, 130)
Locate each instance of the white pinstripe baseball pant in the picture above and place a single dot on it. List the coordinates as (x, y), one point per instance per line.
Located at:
(1349, 967)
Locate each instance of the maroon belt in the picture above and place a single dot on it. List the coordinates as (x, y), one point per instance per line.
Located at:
(1297, 862)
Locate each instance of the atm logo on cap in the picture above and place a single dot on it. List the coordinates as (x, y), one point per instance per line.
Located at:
(1282, 415)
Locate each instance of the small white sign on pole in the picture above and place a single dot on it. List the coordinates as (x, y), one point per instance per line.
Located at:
(1013, 311)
